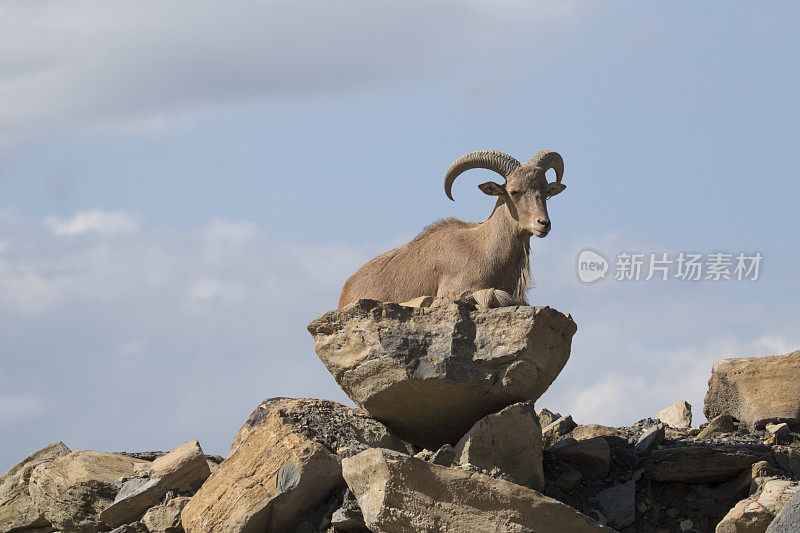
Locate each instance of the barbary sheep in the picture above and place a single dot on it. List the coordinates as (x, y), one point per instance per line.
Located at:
(487, 262)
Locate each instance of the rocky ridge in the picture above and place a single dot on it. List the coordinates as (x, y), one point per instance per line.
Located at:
(446, 438)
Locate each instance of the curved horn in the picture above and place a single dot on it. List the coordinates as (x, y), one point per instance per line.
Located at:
(499, 162)
(548, 159)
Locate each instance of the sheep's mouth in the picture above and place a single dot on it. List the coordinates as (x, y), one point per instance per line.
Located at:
(540, 233)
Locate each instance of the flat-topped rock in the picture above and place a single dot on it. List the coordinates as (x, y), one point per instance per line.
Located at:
(756, 390)
(429, 373)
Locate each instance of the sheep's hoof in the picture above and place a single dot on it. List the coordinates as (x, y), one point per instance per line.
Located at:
(488, 298)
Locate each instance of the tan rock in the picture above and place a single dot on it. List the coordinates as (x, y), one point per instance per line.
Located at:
(283, 462)
(430, 373)
(509, 440)
(183, 469)
(779, 430)
(17, 510)
(419, 301)
(754, 514)
(398, 492)
(546, 417)
(589, 431)
(678, 415)
(74, 489)
(593, 453)
(165, 518)
(559, 428)
(755, 390)
(720, 425)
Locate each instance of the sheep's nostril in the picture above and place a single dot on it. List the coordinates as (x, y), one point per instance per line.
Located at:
(544, 223)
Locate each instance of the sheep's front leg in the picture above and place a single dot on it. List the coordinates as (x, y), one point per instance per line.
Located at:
(489, 298)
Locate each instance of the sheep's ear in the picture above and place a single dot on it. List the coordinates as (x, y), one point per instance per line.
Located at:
(554, 188)
(492, 189)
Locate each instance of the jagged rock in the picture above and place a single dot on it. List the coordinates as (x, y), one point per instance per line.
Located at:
(618, 504)
(649, 439)
(135, 527)
(546, 417)
(283, 462)
(74, 489)
(778, 430)
(165, 518)
(720, 425)
(183, 469)
(678, 415)
(788, 519)
(444, 456)
(589, 431)
(509, 440)
(399, 492)
(755, 390)
(430, 373)
(348, 517)
(17, 510)
(593, 453)
(754, 514)
(704, 464)
(552, 432)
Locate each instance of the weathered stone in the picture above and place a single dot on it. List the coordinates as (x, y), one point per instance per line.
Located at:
(509, 440)
(444, 456)
(779, 430)
(754, 514)
(686, 525)
(788, 519)
(17, 510)
(618, 504)
(720, 425)
(165, 518)
(430, 373)
(419, 301)
(560, 427)
(649, 439)
(546, 417)
(398, 492)
(74, 489)
(283, 463)
(135, 527)
(183, 469)
(704, 464)
(678, 415)
(592, 453)
(589, 431)
(756, 390)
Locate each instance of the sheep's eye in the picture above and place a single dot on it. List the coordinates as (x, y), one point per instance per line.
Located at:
(516, 194)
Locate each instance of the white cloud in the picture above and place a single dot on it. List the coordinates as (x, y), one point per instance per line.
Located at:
(149, 67)
(213, 289)
(93, 221)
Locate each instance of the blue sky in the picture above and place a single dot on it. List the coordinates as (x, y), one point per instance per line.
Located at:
(183, 188)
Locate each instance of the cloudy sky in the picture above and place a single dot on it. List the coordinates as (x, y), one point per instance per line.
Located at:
(185, 185)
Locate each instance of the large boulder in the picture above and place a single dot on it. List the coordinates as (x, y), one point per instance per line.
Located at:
(509, 441)
(788, 519)
(17, 509)
(72, 490)
(398, 492)
(430, 373)
(183, 469)
(755, 390)
(285, 461)
(678, 415)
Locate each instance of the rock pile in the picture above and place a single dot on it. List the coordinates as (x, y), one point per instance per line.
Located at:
(446, 438)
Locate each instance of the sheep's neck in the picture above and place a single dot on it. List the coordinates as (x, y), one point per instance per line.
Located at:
(507, 247)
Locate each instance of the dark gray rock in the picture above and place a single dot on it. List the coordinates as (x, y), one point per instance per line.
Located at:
(649, 439)
(618, 504)
(444, 456)
(788, 520)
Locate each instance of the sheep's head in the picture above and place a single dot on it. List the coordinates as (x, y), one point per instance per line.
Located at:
(526, 189)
